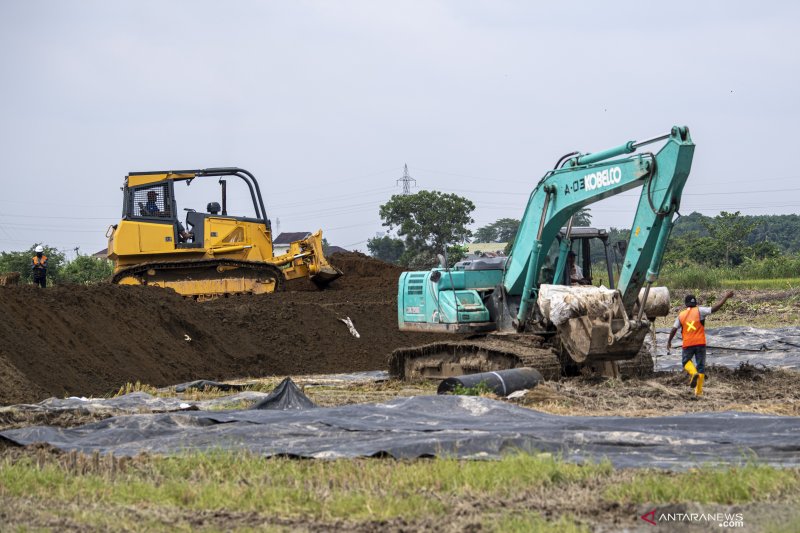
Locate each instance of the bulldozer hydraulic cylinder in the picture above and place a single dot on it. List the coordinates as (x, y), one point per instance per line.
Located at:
(229, 249)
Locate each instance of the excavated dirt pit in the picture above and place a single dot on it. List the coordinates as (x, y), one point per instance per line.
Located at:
(91, 340)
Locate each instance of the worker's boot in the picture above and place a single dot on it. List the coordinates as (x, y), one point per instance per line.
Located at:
(690, 368)
(698, 390)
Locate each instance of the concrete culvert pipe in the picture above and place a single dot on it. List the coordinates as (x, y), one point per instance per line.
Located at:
(501, 382)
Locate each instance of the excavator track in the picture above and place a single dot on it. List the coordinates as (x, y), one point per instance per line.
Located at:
(439, 360)
(205, 278)
(482, 354)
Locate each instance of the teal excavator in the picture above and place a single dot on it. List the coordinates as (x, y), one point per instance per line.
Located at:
(521, 310)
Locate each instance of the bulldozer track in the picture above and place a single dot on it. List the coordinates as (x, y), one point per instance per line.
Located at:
(202, 265)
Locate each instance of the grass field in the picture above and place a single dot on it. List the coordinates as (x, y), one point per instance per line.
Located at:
(778, 274)
(235, 491)
(730, 278)
(777, 283)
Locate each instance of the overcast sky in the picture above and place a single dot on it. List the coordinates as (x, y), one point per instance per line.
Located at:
(325, 101)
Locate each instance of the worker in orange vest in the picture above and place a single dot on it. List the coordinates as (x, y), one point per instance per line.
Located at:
(692, 323)
(39, 267)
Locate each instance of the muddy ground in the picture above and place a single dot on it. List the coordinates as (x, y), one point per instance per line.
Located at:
(748, 388)
(91, 340)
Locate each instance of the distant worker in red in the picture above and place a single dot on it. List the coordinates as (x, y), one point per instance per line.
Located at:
(39, 267)
(692, 322)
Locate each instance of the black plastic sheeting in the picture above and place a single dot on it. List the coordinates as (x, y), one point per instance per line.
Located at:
(731, 346)
(132, 403)
(285, 396)
(454, 426)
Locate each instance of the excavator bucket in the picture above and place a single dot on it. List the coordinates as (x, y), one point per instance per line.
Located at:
(592, 323)
(596, 340)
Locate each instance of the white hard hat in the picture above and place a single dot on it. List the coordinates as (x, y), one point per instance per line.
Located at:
(39, 249)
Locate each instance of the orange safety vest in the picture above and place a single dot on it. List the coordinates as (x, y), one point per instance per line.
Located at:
(692, 329)
(36, 260)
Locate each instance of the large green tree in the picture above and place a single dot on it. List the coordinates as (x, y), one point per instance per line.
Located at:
(430, 223)
(503, 230)
(386, 248)
(583, 217)
(730, 231)
(86, 269)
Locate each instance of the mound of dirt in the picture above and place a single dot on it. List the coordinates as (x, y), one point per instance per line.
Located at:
(90, 340)
(362, 269)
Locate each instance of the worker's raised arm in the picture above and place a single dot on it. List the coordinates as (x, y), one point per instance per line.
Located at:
(716, 307)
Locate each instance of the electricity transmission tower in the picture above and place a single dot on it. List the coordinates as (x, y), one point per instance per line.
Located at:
(407, 180)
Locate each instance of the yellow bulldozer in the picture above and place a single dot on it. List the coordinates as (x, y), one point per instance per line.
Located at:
(213, 254)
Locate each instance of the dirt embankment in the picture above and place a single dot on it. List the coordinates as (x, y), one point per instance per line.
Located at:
(82, 340)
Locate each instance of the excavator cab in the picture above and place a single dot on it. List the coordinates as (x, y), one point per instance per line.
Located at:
(213, 254)
(581, 241)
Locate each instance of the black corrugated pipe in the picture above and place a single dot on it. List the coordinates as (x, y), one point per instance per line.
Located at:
(501, 382)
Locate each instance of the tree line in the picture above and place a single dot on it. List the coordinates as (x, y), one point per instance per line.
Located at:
(430, 223)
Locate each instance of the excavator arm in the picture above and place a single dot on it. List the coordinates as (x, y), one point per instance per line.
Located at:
(585, 179)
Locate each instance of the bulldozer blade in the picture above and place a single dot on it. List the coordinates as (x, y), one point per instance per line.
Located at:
(325, 275)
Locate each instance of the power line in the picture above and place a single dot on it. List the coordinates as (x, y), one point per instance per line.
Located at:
(7, 234)
(354, 243)
(344, 180)
(479, 178)
(306, 201)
